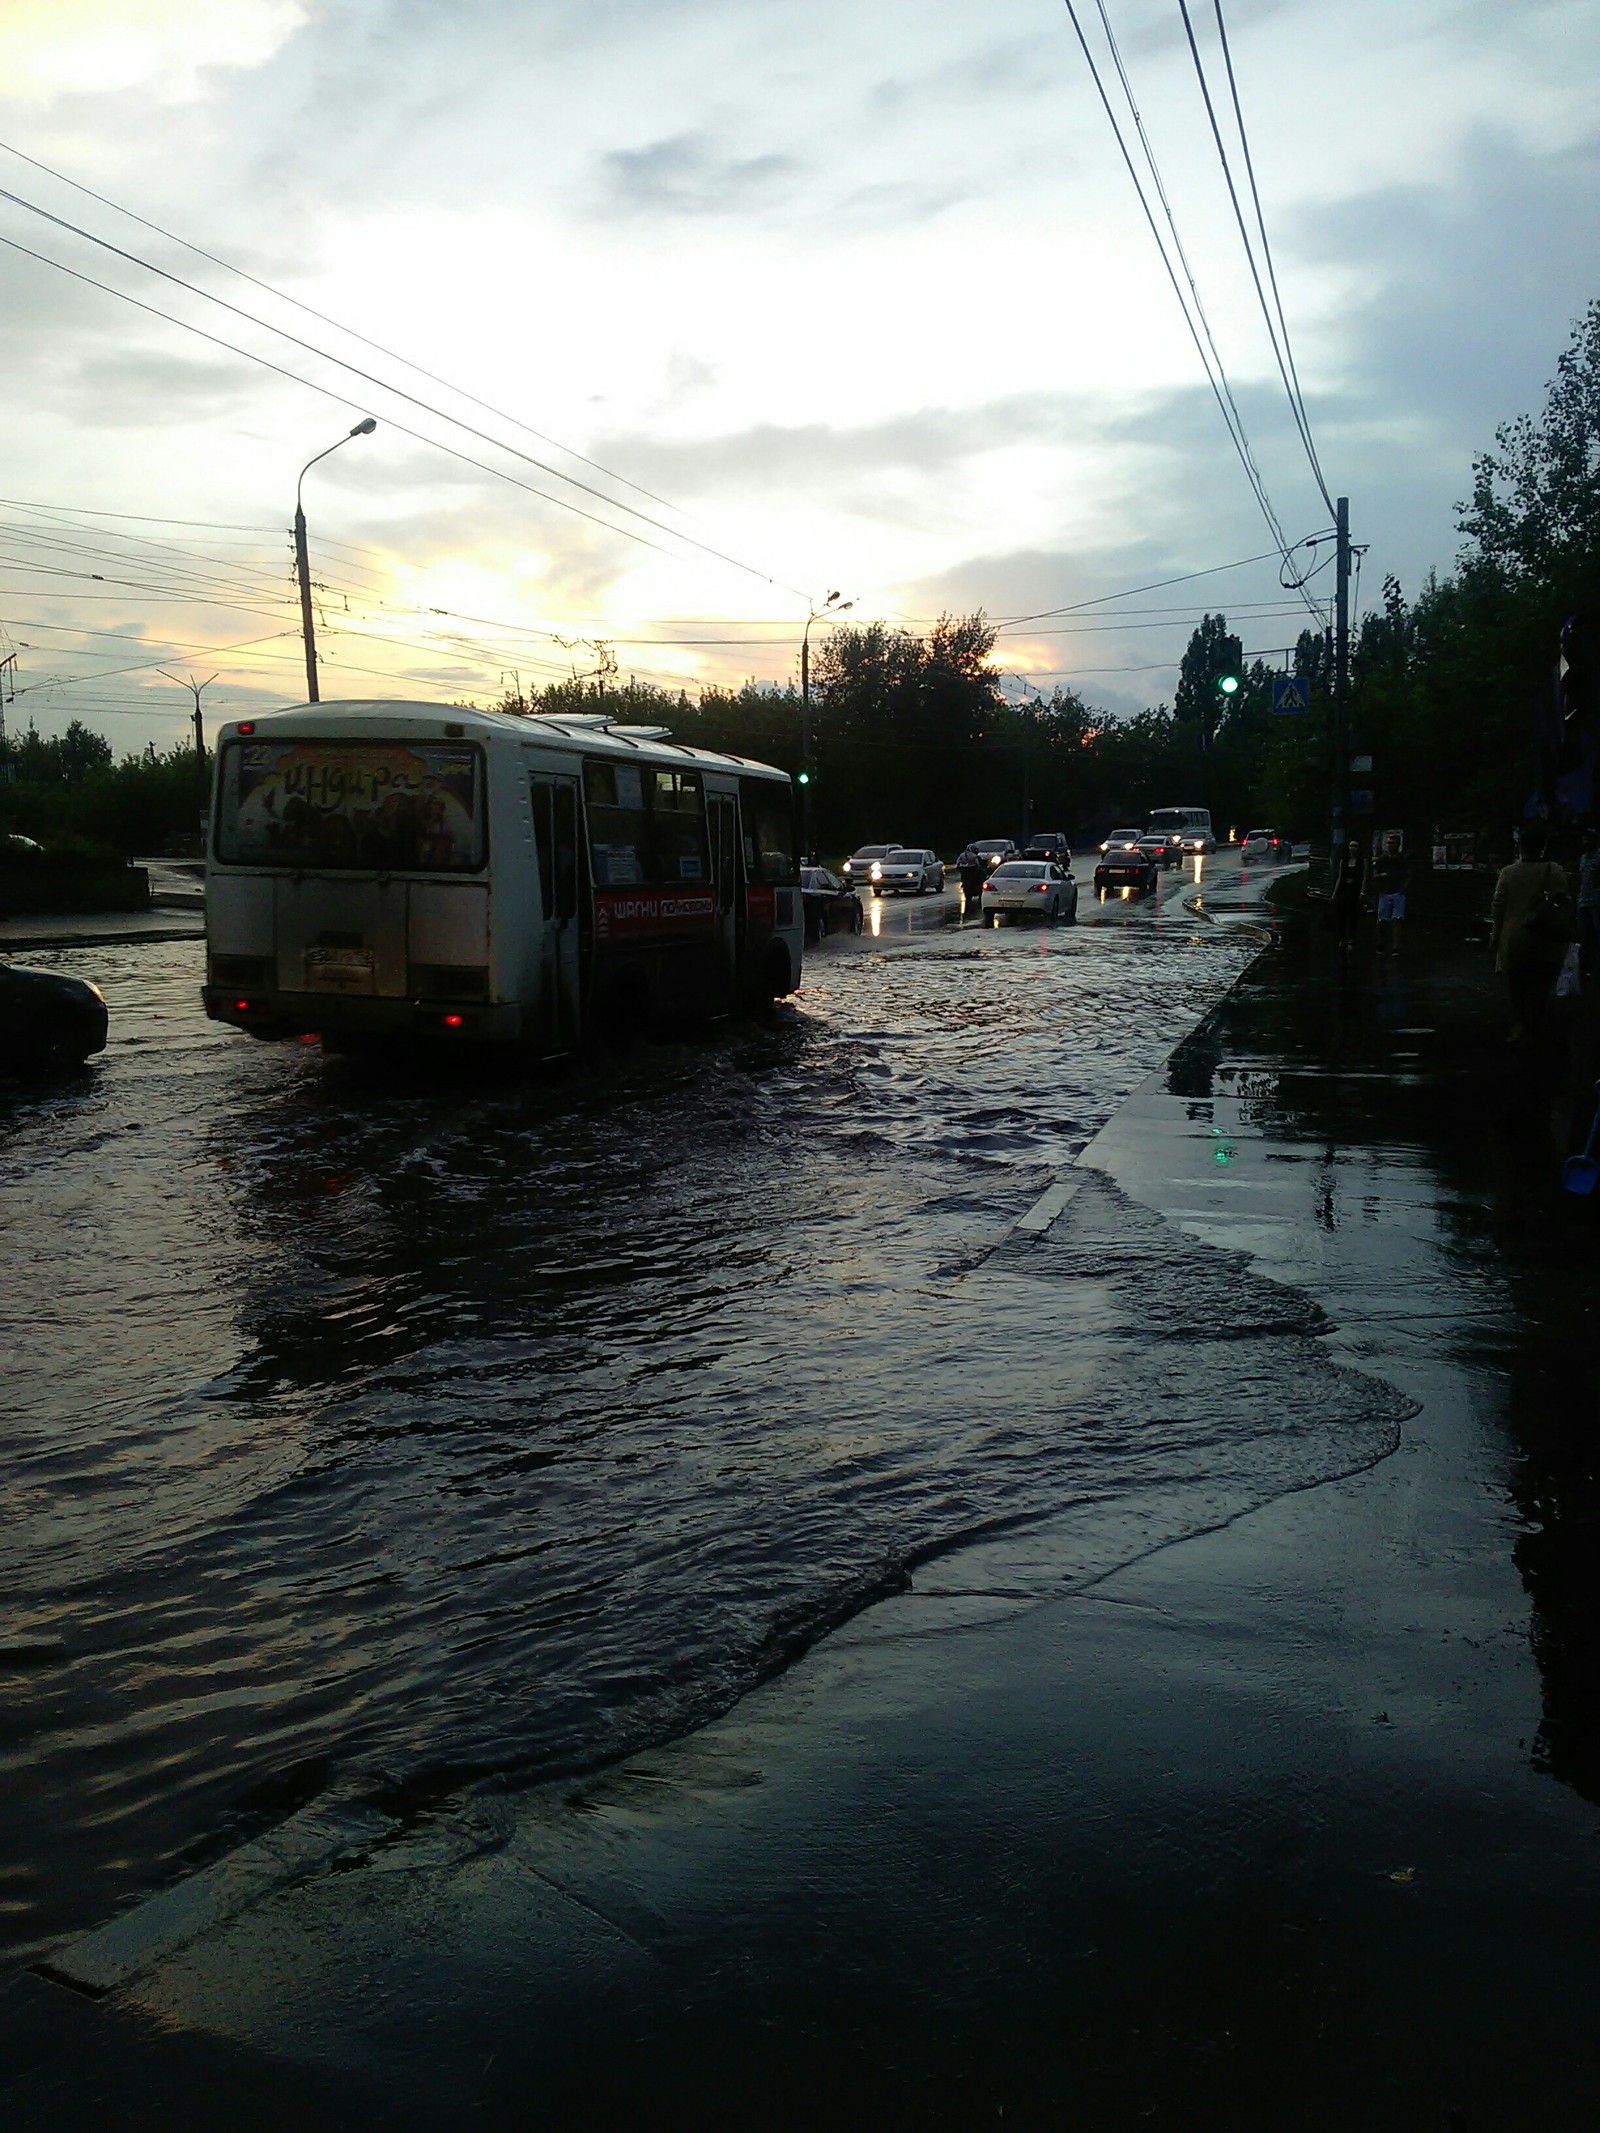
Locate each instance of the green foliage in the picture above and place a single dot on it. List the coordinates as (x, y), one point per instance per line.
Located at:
(69, 795)
(1213, 651)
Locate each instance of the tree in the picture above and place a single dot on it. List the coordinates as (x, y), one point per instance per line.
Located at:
(1212, 652)
(1535, 510)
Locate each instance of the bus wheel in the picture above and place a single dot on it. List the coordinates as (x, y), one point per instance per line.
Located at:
(777, 980)
(622, 1010)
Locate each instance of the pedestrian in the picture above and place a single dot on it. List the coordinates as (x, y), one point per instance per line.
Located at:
(971, 868)
(1589, 906)
(1391, 877)
(1530, 926)
(1346, 891)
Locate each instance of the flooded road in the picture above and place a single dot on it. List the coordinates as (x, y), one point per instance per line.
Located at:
(372, 1437)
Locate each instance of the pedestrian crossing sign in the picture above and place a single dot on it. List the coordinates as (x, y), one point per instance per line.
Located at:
(1291, 693)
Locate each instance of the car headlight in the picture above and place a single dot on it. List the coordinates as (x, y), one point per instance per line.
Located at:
(877, 872)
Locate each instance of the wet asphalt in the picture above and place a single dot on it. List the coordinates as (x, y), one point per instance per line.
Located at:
(1213, 1751)
(372, 1436)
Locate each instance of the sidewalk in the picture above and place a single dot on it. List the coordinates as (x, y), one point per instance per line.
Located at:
(1282, 1820)
(101, 929)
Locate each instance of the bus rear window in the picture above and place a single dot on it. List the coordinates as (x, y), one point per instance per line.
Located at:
(413, 807)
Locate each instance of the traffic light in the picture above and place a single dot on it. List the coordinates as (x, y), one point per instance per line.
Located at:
(1227, 685)
(804, 778)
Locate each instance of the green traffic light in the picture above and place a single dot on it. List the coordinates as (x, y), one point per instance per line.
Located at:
(804, 778)
(1228, 684)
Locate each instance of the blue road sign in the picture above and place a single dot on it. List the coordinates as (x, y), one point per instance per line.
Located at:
(1291, 694)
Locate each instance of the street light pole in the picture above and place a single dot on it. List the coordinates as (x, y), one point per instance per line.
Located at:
(833, 605)
(203, 782)
(302, 560)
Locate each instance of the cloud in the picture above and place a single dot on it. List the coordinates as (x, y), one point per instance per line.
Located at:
(59, 48)
(924, 441)
(141, 389)
(1013, 66)
(681, 175)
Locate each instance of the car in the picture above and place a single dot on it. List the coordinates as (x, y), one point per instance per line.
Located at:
(911, 867)
(1030, 888)
(1049, 844)
(858, 867)
(1122, 841)
(1127, 867)
(992, 850)
(831, 905)
(1164, 847)
(1264, 844)
(48, 1022)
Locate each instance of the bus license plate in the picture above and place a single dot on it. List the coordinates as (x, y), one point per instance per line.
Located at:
(339, 969)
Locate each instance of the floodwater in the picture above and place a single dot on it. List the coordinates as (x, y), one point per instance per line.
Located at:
(373, 1437)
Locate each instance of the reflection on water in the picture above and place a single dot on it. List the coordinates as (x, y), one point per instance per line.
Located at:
(1387, 1076)
(373, 1432)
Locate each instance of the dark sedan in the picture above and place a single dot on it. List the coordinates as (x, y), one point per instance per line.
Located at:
(831, 905)
(1127, 867)
(47, 1022)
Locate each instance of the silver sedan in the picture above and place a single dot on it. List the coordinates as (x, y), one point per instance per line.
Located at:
(908, 867)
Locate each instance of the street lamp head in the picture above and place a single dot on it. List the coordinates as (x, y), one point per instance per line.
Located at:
(365, 428)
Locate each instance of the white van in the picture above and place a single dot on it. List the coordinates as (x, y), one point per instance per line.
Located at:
(1190, 825)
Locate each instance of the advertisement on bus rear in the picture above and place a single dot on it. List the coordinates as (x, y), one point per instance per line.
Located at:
(407, 807)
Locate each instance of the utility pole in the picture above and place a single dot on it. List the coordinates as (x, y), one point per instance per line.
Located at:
(833, 605)
(1341, 673)
(8, 691)
(308, 633)
(202, 780)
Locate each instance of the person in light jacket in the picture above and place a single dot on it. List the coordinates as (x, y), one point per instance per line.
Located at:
(1527, 950)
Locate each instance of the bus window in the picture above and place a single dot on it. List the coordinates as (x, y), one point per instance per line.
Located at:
(769, 843)
(678, 824)
(619, 826)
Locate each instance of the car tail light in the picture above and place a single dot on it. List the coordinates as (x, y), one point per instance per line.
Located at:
(1040, 888)
(241, 1007)
(452, 1021)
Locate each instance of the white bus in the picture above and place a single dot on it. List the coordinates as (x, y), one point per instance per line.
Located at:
(1191, 826)
(378, 869)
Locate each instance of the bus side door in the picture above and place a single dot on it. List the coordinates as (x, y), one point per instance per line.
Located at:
(722, 824)
(555, 831)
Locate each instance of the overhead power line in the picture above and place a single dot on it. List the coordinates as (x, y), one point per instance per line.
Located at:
(1282, 353)
(1199, 333)
(397, 391)
(283, 297)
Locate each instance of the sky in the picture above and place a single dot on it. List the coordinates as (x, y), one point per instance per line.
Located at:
(714, 307)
